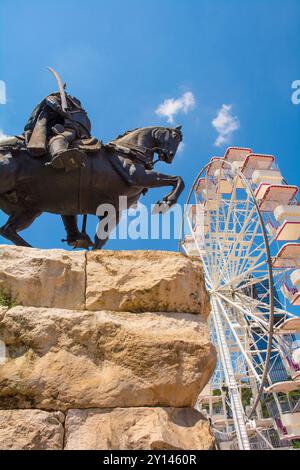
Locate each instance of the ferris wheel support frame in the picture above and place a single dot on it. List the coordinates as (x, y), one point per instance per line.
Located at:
(239, 415)
(234, 394)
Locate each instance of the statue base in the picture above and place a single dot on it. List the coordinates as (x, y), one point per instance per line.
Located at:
(116, 341)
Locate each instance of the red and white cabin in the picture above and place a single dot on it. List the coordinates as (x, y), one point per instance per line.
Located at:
(288, 257)
(272, 195)
(284, 387)
(206, 188)
(289, 218)
(256, 161)
(295, 278)
(266, 177)
(215, 164)
(293, 295)
(289, 326)
(237, 154)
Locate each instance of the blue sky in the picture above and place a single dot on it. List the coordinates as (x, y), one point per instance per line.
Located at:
(125, 58)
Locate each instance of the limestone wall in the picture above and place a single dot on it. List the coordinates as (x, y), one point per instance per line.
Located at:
(102, 350)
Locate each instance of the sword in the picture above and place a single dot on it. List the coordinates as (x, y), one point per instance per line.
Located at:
(61, 89)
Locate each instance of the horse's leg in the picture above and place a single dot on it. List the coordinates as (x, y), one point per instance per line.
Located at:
(71, 227)
(16, 223)
(151, 179)
(100, 242)
(75, 238)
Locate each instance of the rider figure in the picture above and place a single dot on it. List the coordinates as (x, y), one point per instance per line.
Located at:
(50, 125)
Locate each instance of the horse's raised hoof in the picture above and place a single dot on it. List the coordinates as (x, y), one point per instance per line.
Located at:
(161, 207)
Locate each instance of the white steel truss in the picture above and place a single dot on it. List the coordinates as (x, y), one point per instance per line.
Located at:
(237, 253)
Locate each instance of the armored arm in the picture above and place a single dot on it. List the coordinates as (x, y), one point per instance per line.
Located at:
(55, 105)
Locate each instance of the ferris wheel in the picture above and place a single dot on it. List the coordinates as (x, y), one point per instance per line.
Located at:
(242, 220)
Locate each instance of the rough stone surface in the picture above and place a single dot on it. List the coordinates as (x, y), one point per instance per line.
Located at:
(141, 281)
(31, 430)
(134, 281)
(116, 340)
(43, 278)
(3, 353)
(138, 429)
(2, 311)
(62, 359)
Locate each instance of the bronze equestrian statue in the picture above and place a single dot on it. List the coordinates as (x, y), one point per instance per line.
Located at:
(56, 166)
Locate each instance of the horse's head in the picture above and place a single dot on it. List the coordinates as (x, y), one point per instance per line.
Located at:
(167, 140)
(161, 140)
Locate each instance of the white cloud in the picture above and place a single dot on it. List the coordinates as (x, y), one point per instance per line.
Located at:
(181, 147)
(2, 92)
(225, 124)
(171, 106)
(2, 135)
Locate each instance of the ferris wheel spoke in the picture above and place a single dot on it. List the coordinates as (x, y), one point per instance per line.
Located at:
(249, 253)
(221, 217)
(264, 296)
(256, 248)
(252, 282)
(234, 282)
(233, 247)
(220, 253)
(211, 222)
(238, 341)
(240, 306)
(259, 305)
(232, 203)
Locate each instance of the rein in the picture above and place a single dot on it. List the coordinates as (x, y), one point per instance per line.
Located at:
(139, 152)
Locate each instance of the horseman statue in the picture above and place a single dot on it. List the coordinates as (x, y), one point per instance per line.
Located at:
(55, 124)
(56, 166)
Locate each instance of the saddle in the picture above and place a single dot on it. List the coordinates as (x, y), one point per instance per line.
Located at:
(88, 145)
(16, 143)
(12, 144)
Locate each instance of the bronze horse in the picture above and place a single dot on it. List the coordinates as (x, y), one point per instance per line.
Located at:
(28, 187)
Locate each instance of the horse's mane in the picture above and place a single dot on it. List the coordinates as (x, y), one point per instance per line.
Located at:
(137, 129)
(120, 136)
(126, 133)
